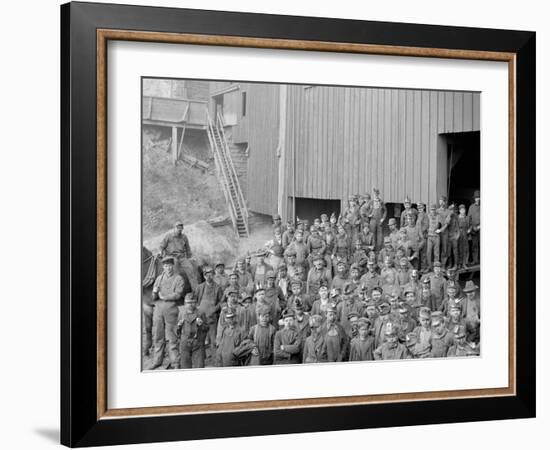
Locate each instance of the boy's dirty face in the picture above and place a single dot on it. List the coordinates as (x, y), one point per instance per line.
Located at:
(264, 319)
(455, 314)
(288, 322)
(425, 322)
(438, 327)
(376, 296)
(260, 295)
(363, 331)
(371, 311)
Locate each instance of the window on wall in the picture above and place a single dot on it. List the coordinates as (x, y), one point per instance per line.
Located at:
(244, 103)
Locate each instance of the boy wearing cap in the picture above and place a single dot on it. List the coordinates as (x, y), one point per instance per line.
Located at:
(263, 336)
(301, 323)
(394, 232)
(422, 225)
(388, 275)
(321, 305)
(362, 346)
(387, 252)
(415, 241)
(288, 235)
(232, 286)
(451, 300)
(299, 247)
(473, 311)
(461, 347)
(391, 348)
(474, 212)
(406, 322)
(433, 237)
(167, 291)
(316, 245)
(260, 269)
(315, 348)
(407, 210)
(336, 337)
(441, 338)
(245, 279)
(209, 296)
(349, 304)
(354, 281)
(370, 279)
(220, 277)
(384, 317)
(192, 329)
(403, 272)
(287, 343)
(437, 282)
(341, 277)
(443, 212)
(297, 294)
(341, 244)
(317, 275)
(229, 339)
(274, 295)
(377, 218)
(464, 225)
(232, 305)
(248, 317)
(423, 332)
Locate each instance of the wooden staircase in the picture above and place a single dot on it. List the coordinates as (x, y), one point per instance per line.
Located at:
(225, 170)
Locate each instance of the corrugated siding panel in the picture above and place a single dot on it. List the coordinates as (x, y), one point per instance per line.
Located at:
(349, 140)
(263, 106)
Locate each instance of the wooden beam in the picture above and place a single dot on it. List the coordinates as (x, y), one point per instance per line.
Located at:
(174, 145)
(281, 150)
(180, 146)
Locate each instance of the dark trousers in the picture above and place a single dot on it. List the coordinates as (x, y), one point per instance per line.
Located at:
(432, 251)
(147, 328)
(475, 248)
(191, 356)
(165, 320)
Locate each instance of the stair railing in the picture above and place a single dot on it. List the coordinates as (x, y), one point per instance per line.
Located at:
(222, 176)
(240, 196)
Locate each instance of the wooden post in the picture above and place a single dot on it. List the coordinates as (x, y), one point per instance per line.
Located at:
(180, 146)
(282, 152)
(174, 144)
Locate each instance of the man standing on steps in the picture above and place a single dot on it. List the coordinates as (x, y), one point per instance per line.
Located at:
(167, 291)
(176, 244)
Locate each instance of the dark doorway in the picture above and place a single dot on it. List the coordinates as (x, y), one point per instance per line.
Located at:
(311, 208)
(463, 161)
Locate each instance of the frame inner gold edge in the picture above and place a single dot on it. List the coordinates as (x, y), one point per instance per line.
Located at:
(103, 35)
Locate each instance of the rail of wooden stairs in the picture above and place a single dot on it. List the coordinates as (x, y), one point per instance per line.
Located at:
(225, 170)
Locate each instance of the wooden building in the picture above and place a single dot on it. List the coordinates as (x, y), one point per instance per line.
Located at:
(308, 148)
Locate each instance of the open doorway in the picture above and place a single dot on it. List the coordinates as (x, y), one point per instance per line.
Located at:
(463, 166)
(311, 208)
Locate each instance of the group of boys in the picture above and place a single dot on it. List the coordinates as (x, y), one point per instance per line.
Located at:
(314, 297)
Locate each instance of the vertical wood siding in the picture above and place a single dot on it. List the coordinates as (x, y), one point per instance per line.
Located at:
(349, 140)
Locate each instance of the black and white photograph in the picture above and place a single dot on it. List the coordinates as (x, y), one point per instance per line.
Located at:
(300, 224)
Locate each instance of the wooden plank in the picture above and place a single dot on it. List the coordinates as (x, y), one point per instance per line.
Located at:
(409, 141)
(425, 148)
(467, 120)
(375, 141)
(174, 144)
(434, 114)
(449, 111)
(367, 136)
(476, 111)
(358, 127)
(458, 112)
(386, 153)
(401, 151)
(394, 173)
(441, 112)
(414, 193)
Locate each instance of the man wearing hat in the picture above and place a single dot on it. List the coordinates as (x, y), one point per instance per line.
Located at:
(209, 296)
(474, 212)
(220, 277)
(288, 235)
(336, 337)
(274, 296)
(384, 317)
(277, 225)
(378, 216)
(362, 345)
(299, 248)
(297, 294)
(464, 225)
(263, 336)
(415, 240)
(349, 304)
(283, 279)
(315, 348)
(422, 225)
(244, 276)
(441, 338)
(231, 336)
(232, 304)
(443, 212)
(167, 292)
(191, 329)
(370, 279)
(176, 244)
(316, 245)
(248, 318)
(407, 210)
(387, 252)
(287, 343)
(460, 346)
(317, 275)
(260, 269)
(394, 232)
(472, 309)
(391, 348)
(437, 283)
(433, 237)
